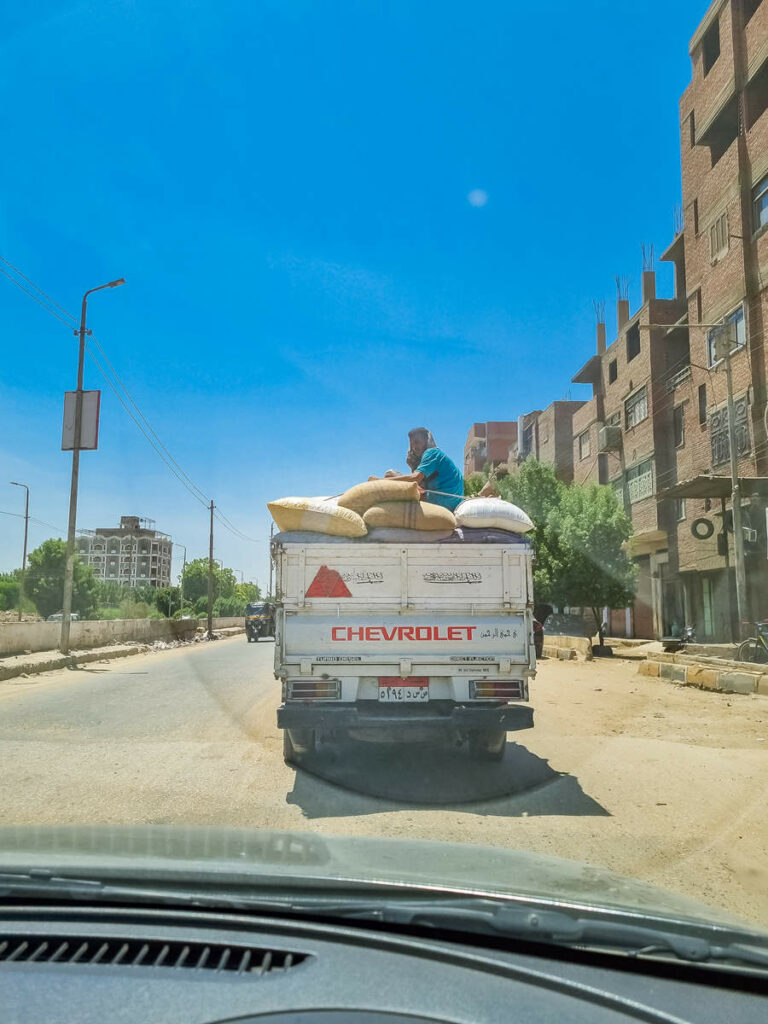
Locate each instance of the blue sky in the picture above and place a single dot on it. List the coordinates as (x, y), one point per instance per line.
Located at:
(285, 185)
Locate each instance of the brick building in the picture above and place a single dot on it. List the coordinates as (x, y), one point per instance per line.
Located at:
(133, 553)
(721, 257)
(621, 435)
(548, 436)
(657, 420)
(488, 443)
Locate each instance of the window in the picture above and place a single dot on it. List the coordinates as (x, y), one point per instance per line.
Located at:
(723, 131)
(614, 420)
(678, 425)
(760, 204)
(740, 334)
(756, 96)
(585, 448)
(702, 403)
(636, 408)
(613, 371)
(750, 6)
(719, 435)
(696, 216)
(633, 342)
(640, 481)
(718, 237)
(710, 47)
(691, 130)
(697, 305)
(680, 509)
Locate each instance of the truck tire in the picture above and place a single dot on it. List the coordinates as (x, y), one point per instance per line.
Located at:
(297, 744)
(488, 744)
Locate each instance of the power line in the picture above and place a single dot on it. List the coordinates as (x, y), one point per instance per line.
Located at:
(135, 412)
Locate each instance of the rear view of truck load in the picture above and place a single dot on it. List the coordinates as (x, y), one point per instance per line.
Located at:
(381, 637)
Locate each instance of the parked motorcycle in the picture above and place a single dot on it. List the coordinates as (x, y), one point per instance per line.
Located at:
(675, 644)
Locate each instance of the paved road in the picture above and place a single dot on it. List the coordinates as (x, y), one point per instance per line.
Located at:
(651, 780)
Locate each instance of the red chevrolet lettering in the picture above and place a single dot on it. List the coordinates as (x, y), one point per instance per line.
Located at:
(374, 634)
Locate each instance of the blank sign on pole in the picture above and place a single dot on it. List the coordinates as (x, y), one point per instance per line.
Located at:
(89, 430)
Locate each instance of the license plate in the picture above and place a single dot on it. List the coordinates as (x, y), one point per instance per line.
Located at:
(394, 690)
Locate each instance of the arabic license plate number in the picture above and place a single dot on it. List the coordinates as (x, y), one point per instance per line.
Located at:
(402, 691)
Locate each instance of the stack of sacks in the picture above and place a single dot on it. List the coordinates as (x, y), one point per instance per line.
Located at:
(318, 515)
(491, 514)
(391, 511)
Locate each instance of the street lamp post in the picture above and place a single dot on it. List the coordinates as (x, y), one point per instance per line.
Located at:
(66, 607)
(26, 534)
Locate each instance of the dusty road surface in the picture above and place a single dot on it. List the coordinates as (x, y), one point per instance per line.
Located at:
(651, 780)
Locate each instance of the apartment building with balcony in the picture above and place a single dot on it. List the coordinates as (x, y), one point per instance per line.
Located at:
(621, 435)
(722, 257)
(488, 443)
(132, 554)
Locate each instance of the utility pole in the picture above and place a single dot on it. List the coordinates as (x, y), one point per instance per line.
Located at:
(181, 579)
(66, 606)
(210, 579)
(26, 534)
(723, 348)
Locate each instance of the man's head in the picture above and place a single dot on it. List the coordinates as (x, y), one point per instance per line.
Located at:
(421, 439)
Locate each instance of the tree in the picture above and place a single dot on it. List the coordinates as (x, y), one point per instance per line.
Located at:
(167, 600)
(592, 529)
(196, 581)
(45, 580)
(536, 489)
(9, 591)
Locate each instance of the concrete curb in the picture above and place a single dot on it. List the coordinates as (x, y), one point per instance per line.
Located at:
(13, 667)
(707, 677)
(567, 648)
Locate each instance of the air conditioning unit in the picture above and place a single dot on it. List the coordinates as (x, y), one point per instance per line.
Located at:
(609, 438)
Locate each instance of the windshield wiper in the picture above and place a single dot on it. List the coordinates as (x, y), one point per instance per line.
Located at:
(483, 915)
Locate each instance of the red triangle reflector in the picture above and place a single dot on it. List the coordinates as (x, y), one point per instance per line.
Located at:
(328, 583)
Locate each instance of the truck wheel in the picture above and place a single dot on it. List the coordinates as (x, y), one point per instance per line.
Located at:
(488, 744)
(297, 743)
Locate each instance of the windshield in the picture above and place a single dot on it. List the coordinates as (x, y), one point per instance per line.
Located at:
(495, 274)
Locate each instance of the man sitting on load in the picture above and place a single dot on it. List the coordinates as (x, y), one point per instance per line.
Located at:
(436, 474)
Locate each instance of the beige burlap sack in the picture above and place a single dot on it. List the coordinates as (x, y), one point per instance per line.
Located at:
(410, 515)
(316, 515)
(361, 497)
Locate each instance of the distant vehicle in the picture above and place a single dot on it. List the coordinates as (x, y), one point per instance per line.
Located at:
(58, 616)
(259, 621)
(679, 641)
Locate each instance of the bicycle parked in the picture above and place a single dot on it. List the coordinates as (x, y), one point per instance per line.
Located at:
(755, 648)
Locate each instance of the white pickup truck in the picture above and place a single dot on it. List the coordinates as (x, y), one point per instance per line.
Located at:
(397, 641)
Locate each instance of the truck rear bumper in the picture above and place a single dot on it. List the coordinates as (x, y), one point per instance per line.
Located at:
(462, 718)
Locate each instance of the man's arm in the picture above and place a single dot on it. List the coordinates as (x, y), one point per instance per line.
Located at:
(408, 477)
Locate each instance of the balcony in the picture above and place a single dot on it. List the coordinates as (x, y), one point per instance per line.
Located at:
(673, 380)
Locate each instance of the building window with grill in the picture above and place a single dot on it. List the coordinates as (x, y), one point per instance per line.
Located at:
(585, 447)
(633, 342)
(678, 425)
(718, 432)
(718, 237)
(613, 371)
(640, 481)
(734, 320)
(636, 408)
(760, 204)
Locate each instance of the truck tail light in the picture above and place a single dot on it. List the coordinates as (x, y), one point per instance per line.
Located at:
(314, 689)
(488, 689)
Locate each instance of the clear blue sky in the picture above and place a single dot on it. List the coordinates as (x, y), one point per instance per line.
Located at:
(285, 186)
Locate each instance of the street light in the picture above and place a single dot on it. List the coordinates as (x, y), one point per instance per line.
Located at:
(26, 533)
(66, 608)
